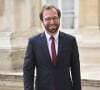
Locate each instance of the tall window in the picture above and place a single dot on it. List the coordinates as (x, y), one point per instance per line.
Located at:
(69, 10)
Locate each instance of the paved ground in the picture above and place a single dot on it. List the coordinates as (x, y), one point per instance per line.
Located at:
(90, 88)
(90, 71)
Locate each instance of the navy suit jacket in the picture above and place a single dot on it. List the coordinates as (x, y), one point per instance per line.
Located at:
(65, 73)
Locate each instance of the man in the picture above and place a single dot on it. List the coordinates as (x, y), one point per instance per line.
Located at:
(54, 54)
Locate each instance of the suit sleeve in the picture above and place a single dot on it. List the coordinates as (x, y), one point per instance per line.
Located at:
(75, 67)
(28, 67)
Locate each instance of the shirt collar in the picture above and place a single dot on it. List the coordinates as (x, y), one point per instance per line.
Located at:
(55, 36)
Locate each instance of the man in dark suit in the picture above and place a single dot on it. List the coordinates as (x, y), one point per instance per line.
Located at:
(56, 60)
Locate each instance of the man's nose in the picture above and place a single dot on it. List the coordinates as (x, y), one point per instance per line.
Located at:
(51, 21)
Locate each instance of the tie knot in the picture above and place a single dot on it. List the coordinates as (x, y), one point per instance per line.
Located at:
(52, 38)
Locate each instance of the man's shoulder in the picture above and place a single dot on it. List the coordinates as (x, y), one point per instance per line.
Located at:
(34, 37)
(66, 35)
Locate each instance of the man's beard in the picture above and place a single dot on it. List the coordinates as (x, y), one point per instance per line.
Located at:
(52, 29)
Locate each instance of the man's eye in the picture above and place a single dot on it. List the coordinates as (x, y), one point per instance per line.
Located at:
(51, 18)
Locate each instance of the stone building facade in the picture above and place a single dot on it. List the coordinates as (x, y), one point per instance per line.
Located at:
(19, 19)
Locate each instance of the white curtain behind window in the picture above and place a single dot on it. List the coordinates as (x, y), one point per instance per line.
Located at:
(53, 2)
(67, 14)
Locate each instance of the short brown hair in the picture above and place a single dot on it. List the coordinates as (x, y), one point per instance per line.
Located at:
(48, 7)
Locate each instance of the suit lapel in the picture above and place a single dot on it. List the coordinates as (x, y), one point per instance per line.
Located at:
(45, 47)
(60, 46)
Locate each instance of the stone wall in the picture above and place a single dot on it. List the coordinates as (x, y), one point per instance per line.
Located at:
(89, 13)
(15, 28)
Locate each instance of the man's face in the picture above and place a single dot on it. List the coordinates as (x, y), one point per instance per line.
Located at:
(51, 20)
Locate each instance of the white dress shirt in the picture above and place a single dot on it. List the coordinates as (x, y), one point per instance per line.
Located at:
(49, 42)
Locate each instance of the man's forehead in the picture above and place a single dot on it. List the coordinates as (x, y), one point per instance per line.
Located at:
(53, 11)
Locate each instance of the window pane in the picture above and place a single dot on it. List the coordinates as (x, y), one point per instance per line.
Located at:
(69, 13)
(53, 2)
(67, 22)
(67, 4)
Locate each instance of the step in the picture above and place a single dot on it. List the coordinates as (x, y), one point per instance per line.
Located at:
(14, 81)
